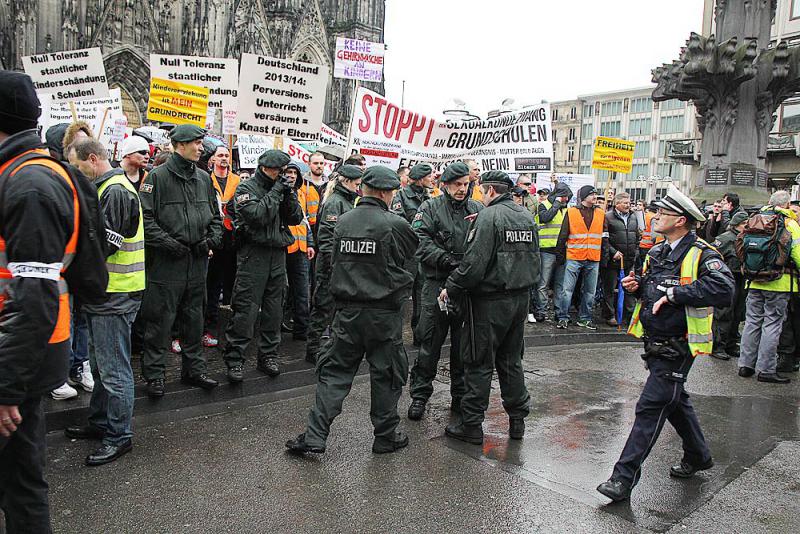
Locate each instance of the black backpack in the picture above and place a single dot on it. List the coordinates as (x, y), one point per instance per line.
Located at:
(86, 275)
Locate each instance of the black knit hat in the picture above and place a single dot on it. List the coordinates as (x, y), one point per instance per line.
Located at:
(19, 105)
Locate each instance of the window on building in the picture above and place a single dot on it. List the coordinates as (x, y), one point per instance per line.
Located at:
(572, 134)
(641, 105)
(640, 169)
(588, 110)
(610, 129)
(642, 149)
(586, 131)
(571, 154)
(611, 108)
(790, 116)
(640, 126)
(672, 124)
(668, 105)
(666, 169)
(602, 176)
(573, 113)
(585, 169)
(555, 114)
(586, 152)
(795, 9)
(555, 135)
(661, 192)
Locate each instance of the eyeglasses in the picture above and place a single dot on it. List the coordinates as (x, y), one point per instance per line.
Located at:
(524, 184)
(143, 152)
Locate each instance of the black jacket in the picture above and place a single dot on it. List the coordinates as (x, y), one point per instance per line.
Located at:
(265, 209)
(621, 238)
(408, 200)
(36, 221)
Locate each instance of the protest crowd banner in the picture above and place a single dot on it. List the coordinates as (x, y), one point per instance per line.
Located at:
(358, 60)
(177, 102)
(281, 97)
(387, 134)
(614, 155)
(252, 146)
(69, 76)
(329, 136)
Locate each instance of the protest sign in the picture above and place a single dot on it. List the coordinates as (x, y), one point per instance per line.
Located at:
(177, 102)
(358, 60)
(329, 136)
(388, 135)
(615, 155)
(544, 180)
(69, 76)
(281, 97)
(229, 122)
(91, 111)
(160, 137)
(211, 117)
(219, 75)
(118, 133)
(252, 146)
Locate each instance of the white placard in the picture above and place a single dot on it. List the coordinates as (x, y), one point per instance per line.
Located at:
(118, 133)
(329, 136)
(358, 60)
(220, 75)
(69, 76)
(91, 111)
(281, 97)
(211, 117)
(252, 146)
(229, 122)
(544, 180)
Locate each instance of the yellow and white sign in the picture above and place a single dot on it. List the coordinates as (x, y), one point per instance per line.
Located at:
(178, 103)
(611, 154)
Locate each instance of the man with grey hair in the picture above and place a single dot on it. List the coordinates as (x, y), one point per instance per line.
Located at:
(770, 289)
(622, 252)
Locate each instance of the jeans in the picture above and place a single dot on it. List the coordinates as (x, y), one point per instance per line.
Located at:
(572, 271)
(551, 272)
(763, 323)
(79, 351)
(111, 407)
(297, 273)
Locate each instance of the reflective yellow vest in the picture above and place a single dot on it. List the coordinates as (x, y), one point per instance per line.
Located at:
(698, 320)
(126, 266)
(548, 232)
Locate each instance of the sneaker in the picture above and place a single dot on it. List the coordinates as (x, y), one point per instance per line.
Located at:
(64, 392)
(208, 341)
(176, 346)
(531, 318)
(562, 323)
(589, 325)
(82, 379)
(326, 334)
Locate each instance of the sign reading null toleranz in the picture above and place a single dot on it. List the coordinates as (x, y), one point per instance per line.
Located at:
(69, 76)
(281, 97)
(358, 60)
(220, 75)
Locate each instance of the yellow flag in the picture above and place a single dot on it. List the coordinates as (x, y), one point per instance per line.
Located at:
(612, 154)
(178, 103)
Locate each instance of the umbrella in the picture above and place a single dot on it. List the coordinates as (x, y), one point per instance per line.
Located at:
(620, 293)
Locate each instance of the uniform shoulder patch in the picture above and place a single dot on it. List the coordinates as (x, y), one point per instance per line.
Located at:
(714, 264)
(146, 188)
(518, 236)
(417, 217)
(244, 197)
(359, 246)
(471, 235)
(331, 218)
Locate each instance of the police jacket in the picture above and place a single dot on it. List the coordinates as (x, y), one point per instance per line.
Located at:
(502, 255)
(408, 200)
(36, 221)
(726, 245)
(714, 287)
(265, 208)
(371, 245)
(180, 211)
(623, 238)
(442, 230)
(337, 204)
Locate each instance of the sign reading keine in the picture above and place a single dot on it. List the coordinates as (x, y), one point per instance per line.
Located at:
(611, 154)
(68, 76)
(177, 102)
(358, 60)
(220, 75)
(252, 146)
(388, 135)
(281, 97)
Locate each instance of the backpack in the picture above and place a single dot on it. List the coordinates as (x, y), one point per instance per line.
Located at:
(764, 247)
(87, 275)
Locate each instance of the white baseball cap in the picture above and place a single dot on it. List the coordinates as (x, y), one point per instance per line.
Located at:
(133, 144)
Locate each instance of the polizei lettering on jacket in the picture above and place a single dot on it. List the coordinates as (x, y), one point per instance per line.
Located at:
(357, 246)
(519, 236)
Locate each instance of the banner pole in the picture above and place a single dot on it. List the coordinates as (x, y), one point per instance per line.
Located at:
(102, 123)
(72, 110)
(350, 126)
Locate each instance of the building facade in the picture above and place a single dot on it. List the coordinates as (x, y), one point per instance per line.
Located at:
(566, 121)
(128, 31)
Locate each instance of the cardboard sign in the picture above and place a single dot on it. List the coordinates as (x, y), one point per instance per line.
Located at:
(178, 103)
(229, 122)
(611, 154)
(118, 133)
(211, 117)
(69, 76)
(358, 60)
(329, 136)
(389, 135)
(252, 146)
(91, 111)
(220, 75)
(281, 97)
(544, 180)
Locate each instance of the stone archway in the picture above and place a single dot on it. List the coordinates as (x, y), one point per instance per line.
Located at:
(130, 108)
(130, 70)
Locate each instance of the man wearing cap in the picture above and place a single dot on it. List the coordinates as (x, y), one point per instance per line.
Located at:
(728, 318)
(265, 206)
(550, 218)
(441, 224)
(491, 287)
(406, 203)
(682, 278)
(37, 225)
(181, 225)
(369, 285)
(135, 154)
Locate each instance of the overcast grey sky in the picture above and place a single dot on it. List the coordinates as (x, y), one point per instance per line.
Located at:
(483, 51)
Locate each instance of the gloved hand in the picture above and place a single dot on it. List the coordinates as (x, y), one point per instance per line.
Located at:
(286, 181)
(176, 249)
(448, 263)
(200, 249)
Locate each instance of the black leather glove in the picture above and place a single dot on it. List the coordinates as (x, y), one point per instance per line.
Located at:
(448, 263)
(286, 181)
(176, 249)
(200, 249)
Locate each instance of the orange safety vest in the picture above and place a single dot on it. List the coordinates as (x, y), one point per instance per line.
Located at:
(585, 243)
(477, 194)
(649, 237)
(310, 201)
(435, 192)
(300, 231)
(225, 196)
(61, 331)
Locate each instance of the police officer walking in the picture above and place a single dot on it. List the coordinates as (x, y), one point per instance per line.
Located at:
(181, 224)
(265, 206)
(441, 224)
(492, 284)
(681, 279)
(369, 285)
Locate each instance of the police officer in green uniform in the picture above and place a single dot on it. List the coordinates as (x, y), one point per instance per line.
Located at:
(728, 318)
(492, 286)
(264, 208)
(406, 203)
(441, 224)
(369, 285)
(181, 224)
(342, 198)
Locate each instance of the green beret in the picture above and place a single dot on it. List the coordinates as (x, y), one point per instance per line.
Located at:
(496, 177)
(419, 171)
(186, 133)
(351, 172)
(454, 171)
(379, 177)
(274, 159)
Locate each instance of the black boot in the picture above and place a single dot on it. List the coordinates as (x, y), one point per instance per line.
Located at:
(615, 490)
(416, 409)
(686, 470)
(516, 428)
(299, 446)
(386, 445)
(467, 433)
(268, 366)
(155, 388)
(235, 374)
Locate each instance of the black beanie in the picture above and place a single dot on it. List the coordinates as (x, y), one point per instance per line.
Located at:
(585, 191)
(19, 105)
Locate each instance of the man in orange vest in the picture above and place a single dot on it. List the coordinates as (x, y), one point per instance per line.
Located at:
(581, 240)
(298, 256)
(649, 237)
(38, 236)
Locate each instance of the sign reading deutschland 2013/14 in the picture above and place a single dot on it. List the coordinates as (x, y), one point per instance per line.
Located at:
(615, 155)
(177, 103)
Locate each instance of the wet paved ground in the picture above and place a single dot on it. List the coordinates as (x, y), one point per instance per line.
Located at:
(226, 470)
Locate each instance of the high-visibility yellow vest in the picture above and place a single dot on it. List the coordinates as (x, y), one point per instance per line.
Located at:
(548, 232)
(698, 320)
(585, 243)
(126, 266)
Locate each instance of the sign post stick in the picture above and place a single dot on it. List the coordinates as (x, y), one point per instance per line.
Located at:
(102, 123)
(72, 110)
(350, 127)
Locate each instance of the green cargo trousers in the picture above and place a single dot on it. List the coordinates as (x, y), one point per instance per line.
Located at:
(260, 279)
(357, 332)
(498, 333)
(322, 306)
